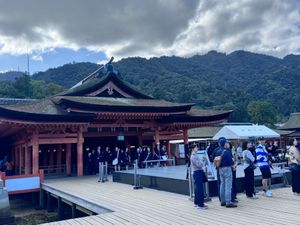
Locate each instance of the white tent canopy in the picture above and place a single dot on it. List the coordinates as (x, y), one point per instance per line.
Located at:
(245, 132)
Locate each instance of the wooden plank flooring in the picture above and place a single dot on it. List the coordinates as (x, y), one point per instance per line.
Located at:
(148, 206)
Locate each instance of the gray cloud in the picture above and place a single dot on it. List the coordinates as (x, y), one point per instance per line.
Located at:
(150, 27)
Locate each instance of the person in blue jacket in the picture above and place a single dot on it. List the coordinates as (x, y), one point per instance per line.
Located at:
(225, 172)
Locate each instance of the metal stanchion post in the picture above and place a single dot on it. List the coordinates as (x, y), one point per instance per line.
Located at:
(106, 169)
(207, 195)
(137, 178)
(100, 172)
(191, 185)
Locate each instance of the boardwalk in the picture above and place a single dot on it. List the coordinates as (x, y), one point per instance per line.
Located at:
(148, 206)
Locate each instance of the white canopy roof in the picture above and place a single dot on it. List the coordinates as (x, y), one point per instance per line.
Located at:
(245, 132)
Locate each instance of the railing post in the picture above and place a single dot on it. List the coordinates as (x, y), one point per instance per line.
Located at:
(137, 178)
(2, 177)
(102, 172)
(191, 186)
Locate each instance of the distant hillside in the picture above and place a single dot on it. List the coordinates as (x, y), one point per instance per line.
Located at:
(213, 80)
(10, 76)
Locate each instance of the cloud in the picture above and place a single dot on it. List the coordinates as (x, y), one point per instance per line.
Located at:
(123, 28)
(37, 58)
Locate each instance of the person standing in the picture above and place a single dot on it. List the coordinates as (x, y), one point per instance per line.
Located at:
(263, 162)
(198, 174)
(295, 166)
(225, 171)
(248, 163)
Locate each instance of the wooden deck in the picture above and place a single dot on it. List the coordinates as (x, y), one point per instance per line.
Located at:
(148, 206)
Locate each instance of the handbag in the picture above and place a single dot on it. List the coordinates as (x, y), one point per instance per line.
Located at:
(252, 165)
(218, 159)
(295, 167)
(115, 161)
(164, 157)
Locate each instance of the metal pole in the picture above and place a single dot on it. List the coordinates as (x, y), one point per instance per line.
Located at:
(100, 171)
(191, 188)
(207, 197)
(136, 177)
(106, 168)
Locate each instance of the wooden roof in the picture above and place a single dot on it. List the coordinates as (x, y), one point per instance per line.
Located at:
(105, 92)
(293, 122)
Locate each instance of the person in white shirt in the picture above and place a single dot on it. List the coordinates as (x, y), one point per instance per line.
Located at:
(248, 162)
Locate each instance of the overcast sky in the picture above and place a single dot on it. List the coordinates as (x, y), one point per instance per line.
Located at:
(55, 32)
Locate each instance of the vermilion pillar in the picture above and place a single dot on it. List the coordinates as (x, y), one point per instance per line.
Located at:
(186, 144)
(185, 136)
(140, 137)
(79, 153)
(21, 161)
(51, 159)
(157, 138)
(35, 154)
(27, 160)
(59, 157)
(168, 148)
(68, 159)
(17, 158)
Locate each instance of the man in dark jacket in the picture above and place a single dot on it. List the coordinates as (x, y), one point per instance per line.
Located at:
(225, 174)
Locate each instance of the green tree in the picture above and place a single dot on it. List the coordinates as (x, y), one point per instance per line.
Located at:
(261, 112)
(23, 86)
(38, 89)
(53, 89)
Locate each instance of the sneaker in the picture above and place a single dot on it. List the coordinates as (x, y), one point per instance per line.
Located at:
(231, 205)
(254, 196)
(235, 200)
(223, 204)
(202, 207)
(268, 194)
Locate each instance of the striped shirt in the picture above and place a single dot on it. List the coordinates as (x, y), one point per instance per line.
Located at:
(262, 157)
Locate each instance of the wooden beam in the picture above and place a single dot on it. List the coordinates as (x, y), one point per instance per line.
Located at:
(57, 141)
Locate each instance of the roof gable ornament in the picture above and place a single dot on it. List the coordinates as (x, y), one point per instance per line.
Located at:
(105, 82)
(110, 91)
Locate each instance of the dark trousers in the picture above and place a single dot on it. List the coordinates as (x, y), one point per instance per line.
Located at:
(198, 185)
(296, 181)
(249, 181)
(218, 184)
(233, 189)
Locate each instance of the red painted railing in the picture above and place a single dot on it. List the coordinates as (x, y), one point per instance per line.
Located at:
(23, 183)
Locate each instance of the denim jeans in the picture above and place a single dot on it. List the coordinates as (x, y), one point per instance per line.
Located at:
(226, 184)
(198, 185)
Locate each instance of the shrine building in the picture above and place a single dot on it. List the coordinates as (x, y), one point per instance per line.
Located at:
(101, 110)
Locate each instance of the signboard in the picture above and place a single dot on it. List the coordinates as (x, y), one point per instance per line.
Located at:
(181, 151)
(210, 169)
(121, 138)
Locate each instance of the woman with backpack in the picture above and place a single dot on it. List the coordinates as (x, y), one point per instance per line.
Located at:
(249, 167)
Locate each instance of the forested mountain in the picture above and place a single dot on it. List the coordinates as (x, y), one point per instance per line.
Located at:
(10, 75)
(213, 80)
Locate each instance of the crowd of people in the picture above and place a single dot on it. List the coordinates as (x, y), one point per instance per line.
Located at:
(120, 158)
(250, 157)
